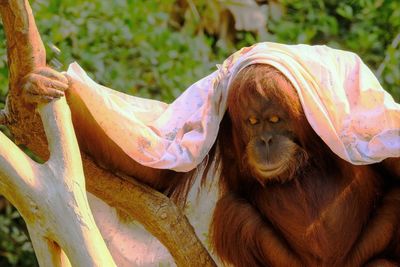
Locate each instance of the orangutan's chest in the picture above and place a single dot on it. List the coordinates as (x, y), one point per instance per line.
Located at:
(315, 217)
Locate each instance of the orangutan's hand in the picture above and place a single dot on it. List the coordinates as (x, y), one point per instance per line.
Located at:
(43, 85)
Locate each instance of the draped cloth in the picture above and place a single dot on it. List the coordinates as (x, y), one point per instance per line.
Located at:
(342, 100)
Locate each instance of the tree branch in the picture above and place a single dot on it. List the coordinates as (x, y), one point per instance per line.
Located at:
(155, 211)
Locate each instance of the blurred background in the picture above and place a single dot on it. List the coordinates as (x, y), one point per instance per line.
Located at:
(157, 48)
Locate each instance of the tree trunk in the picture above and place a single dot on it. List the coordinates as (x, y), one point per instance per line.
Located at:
(25, 182)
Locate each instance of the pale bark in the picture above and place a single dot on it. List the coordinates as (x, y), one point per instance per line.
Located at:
(51, 197)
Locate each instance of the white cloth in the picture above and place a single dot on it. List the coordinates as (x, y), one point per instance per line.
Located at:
(342, 99)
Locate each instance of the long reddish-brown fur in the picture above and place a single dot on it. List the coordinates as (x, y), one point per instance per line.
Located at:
(331, 213)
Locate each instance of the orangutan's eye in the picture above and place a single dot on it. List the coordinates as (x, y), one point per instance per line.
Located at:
(253, 121)
(274, 119)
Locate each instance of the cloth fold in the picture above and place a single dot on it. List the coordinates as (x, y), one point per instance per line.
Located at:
(342, 99)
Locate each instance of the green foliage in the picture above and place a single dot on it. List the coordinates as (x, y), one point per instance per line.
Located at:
(370, 28)
(124, 47)
(130, 45)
